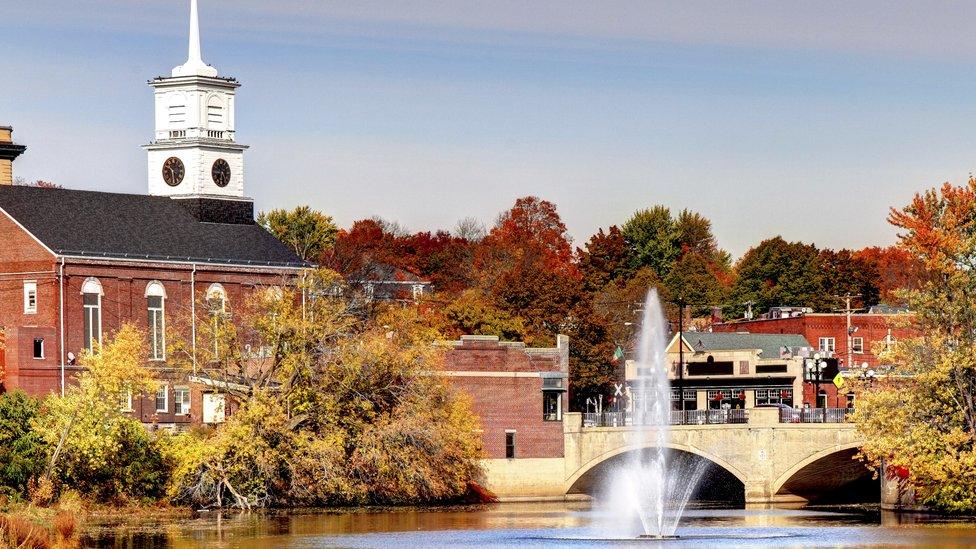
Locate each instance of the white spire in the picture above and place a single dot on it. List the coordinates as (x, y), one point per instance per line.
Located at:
(194, 65)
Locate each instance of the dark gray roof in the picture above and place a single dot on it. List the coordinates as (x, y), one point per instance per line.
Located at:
(89, 223)
(769, 343)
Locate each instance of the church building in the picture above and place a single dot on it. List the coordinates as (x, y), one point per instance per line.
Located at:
(76, 265)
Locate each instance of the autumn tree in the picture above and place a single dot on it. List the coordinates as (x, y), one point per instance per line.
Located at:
(921, 418)
(851, 273)
(307, 232)
(525, 265)
(334, 411)
(93, 446)
(897, 270)
(472, 313)
(603, 259)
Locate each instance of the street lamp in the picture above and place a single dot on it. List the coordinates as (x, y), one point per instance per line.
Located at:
(814, 372)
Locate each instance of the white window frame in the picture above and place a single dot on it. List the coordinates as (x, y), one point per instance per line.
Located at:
(857, 345)
(164, 389)
(33, 346)
(30, 297)
(182, 405)
(157, 341)
(92, 287)
(831, 344)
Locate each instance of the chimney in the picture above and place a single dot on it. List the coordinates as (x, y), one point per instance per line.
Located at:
(717, 315)
(9, 151)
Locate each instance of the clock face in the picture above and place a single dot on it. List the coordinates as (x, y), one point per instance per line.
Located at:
(173, 171)
(221, 173)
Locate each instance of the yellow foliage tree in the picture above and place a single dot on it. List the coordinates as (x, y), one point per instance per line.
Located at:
(919, 417)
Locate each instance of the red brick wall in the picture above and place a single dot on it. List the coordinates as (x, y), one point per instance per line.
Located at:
(872, 328)
(508, 394)
(123, 285)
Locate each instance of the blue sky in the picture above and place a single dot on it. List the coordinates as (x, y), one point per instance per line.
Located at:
(805, 119)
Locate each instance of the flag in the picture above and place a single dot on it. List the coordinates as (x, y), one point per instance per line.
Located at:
(618, 355)
(839, 380)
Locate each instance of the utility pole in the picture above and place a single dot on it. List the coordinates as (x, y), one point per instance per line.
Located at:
(847, 310)
(681, 355)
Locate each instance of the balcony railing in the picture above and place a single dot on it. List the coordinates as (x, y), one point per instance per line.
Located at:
(677, 417)
(815, 415)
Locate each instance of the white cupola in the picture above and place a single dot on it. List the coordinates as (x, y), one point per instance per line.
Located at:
(194, 152)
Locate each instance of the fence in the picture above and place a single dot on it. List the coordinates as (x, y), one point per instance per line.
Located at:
(676, 417)
(814, 415)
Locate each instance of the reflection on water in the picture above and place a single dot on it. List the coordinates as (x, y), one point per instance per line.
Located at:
(522, 525)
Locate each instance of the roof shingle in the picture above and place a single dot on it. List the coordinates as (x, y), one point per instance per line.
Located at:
(90, 223)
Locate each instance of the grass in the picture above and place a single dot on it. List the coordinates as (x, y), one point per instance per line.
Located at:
(34, 528)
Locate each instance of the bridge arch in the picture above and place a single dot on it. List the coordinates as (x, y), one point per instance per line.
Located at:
(592, 464)
(836, 464)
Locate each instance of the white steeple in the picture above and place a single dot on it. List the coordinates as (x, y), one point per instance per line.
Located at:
(194, 65)
(194, 152)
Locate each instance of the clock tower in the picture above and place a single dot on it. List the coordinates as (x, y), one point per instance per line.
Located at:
(194, 155)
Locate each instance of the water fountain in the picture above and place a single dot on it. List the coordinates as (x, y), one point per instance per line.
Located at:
(653, 484)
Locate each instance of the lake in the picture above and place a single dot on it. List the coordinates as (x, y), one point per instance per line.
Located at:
(528, 525)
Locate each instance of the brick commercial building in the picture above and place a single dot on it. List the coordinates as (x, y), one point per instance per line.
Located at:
(828, 333)
(519, 393)
(77, 265)
(732, 370)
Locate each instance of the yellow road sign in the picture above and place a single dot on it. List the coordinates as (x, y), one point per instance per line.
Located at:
(839, 380)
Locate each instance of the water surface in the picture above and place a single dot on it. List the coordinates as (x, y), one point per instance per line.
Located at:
(545, 525)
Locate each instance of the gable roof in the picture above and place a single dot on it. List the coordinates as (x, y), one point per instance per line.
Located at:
(770, 344)
(132, 226)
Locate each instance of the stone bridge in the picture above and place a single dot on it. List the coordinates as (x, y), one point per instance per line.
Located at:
(769, 461)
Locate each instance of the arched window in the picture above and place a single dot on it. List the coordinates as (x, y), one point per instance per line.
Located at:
(156, 306)
(217, 303)
(216, 298)
(91, 294)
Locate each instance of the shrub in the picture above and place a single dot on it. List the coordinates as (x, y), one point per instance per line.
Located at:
(22, 450)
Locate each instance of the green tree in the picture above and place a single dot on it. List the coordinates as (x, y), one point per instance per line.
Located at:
(652, 239)
(851, 273)
(921, 418)
(697, 281)
(23, 454)
(779, 273)
(306, 231)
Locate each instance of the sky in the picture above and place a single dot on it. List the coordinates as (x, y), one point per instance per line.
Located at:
(806, 119)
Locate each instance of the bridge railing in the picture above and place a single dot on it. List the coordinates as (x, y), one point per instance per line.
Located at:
(676, 417)
(815, 415)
